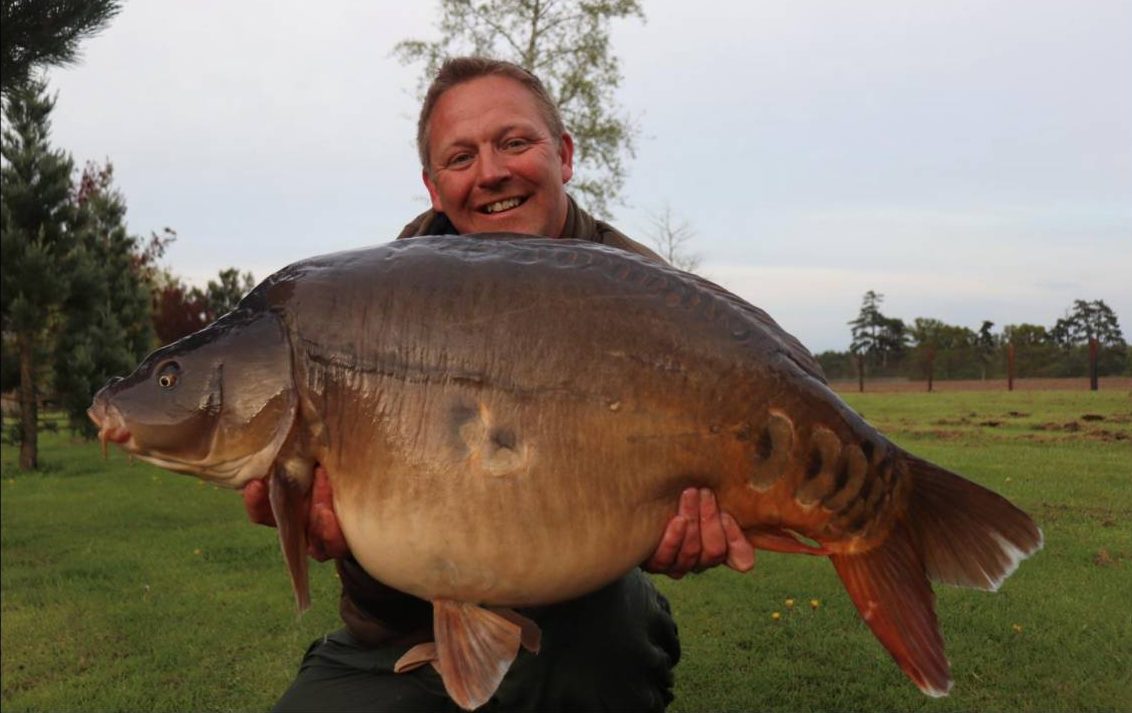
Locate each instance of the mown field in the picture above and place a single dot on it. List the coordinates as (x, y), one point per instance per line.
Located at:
(129, 588)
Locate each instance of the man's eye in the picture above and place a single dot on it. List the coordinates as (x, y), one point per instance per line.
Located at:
(459, 159)
(516, 144)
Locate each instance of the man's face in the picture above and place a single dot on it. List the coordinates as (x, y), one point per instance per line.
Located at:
(493, 164)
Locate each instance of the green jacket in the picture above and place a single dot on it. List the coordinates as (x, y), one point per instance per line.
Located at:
(580, 225)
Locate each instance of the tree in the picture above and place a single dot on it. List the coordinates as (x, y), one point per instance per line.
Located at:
(566, 44)
(670, 238)
(1035, 352)
(225, 294)
(874, 335)
(180, 310)
(944, 349)
(38, 246)
(41, 33)
(987, 345)
(106, 326)
(1085, 321)
(1025, 334)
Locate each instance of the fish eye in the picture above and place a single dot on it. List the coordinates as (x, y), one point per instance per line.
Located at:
(168, 374)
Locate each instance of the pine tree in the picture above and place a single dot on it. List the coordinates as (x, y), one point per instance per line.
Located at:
(39, 33)
(38, 245)
(987, 345)
(1088, 320)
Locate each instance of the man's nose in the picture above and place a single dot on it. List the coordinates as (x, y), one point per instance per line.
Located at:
(492, 168)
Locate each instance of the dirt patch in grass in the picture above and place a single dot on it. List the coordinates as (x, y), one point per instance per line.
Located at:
(1103, 558)
(1076, 427)
(1105, 517)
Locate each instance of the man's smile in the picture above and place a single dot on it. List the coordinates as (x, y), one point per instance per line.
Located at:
(501, 206)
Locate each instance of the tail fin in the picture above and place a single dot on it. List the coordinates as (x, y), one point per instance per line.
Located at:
(954, 531)
(967, 535)
(892, 593)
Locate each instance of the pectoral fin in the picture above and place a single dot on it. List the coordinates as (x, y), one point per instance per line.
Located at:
(290, 506)
(475, 648)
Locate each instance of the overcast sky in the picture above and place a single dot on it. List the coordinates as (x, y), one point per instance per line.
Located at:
(969, 159)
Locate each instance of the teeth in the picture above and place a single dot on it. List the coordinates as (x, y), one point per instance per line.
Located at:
(500, 206)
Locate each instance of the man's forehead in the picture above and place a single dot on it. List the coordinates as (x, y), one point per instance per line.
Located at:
(449, 135)
(489, 105)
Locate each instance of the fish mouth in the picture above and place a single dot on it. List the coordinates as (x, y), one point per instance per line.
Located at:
(111, 425)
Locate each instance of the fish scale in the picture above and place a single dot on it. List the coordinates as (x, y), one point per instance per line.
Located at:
(508, 421)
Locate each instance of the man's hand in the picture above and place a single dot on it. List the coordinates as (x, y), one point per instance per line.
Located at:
(700, 536)
(324, 537)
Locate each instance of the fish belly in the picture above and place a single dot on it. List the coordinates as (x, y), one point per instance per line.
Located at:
(492, 500)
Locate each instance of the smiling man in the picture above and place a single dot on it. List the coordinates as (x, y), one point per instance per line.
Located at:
(492, 163)
(496, 158)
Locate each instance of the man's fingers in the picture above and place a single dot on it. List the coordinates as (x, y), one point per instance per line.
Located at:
(689, 555)
(712, 535)
(257, 503)
(740, 553)
(324, 532)
(665, 555)
(324, 538)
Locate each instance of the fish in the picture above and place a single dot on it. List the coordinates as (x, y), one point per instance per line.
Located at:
(508, 421)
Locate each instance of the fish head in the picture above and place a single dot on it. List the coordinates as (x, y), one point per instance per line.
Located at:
(217, 404)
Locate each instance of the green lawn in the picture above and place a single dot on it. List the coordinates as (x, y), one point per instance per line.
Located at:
(125, 587)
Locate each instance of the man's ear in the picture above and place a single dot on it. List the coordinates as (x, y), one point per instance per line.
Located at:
(566, 155)
(433, 195)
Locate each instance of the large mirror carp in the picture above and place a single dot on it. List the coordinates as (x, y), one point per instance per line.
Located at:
(509, 422)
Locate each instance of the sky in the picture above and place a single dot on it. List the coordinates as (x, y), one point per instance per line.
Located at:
(968, 159)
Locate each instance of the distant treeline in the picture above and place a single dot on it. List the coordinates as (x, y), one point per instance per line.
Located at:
(887, 347)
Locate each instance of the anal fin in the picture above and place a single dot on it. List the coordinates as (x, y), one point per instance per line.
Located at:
(475, 648)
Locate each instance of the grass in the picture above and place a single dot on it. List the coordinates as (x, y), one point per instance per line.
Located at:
(125, 587)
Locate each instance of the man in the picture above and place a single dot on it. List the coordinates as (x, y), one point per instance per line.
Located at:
(495, 158)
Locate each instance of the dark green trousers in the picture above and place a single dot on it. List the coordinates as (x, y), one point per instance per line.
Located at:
(612, 650)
